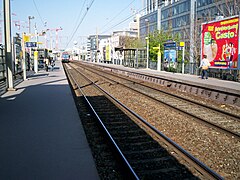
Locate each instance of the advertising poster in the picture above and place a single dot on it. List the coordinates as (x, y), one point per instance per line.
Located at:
(170, 54)
(220, 42)
(108, 58)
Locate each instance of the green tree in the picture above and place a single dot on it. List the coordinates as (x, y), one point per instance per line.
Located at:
(160, 37)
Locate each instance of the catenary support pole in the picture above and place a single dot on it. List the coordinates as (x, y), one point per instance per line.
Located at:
(8, 48)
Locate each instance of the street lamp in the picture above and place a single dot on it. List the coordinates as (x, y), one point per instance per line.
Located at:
(29, 23)
(147, 39)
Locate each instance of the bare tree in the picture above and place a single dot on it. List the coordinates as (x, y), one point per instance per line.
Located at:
(228, 7)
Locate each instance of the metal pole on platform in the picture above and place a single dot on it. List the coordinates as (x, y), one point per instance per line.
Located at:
(23, 58)
(182, 45)
(192, 29)
(159, 59)
(147, 39)
(8, 48)
(183, 54)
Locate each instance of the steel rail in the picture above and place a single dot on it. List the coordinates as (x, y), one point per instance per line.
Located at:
(124, 160)
(204, 169)
(210, 124)
(170, 80)
(195, 102)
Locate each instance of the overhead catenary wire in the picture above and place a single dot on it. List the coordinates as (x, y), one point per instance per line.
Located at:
(118, 14)
(80, 23)
(78, 17)
(138, 11)
(123, 20)
(35, 5)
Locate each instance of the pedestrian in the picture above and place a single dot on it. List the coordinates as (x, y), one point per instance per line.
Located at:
(52, 64)
(204, 65)
(46, 60)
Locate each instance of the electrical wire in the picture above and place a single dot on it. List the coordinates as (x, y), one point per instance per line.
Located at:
(80, 22)
(38, 12)
(123, 21)
(78, 17)
(118, 14)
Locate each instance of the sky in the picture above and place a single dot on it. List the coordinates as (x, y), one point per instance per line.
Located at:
(77, 18)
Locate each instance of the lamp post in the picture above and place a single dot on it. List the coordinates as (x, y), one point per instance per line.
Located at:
(29, 23)
(147, 39)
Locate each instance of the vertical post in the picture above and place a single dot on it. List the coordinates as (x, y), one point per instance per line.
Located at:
(51, 41)
(183, 54)
(29, 23)
(147, 38)
(56, 43)
(182, 44)
(35, 60)
(97, 46)
(192, 34)
(8, 49)
(45, 38)
(147, 51)
(23, 58)
(159, 59)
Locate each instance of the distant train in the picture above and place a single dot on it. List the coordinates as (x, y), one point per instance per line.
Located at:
(65, 57)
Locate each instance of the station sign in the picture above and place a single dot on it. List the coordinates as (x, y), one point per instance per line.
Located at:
(170, 45)
(26, 38)
(31, 44)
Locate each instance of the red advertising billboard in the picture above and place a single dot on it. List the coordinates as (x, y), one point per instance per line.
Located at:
(220, 42)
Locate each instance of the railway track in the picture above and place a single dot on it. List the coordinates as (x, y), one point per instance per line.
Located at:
(228, 97)
(141, 155)
(215, 118)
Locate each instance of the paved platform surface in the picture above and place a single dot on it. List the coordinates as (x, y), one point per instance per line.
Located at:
(41, 135)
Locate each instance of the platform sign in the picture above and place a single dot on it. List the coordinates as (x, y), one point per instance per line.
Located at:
(169, 45)
(220, 42)
(31, 44)
(26, 38)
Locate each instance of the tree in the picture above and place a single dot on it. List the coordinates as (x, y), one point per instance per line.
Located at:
(133, 42)
(228, 8)
(160, 37)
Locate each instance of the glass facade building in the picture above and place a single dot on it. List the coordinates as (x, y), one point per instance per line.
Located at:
(176, 14)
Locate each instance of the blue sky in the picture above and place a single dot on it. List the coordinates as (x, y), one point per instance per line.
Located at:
(101, 16)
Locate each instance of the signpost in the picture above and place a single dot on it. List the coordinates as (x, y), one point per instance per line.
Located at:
(182, 45)
(27, 43)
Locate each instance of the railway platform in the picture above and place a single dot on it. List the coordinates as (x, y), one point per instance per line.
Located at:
(222, 91)
(41, 135)
(214, 83)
